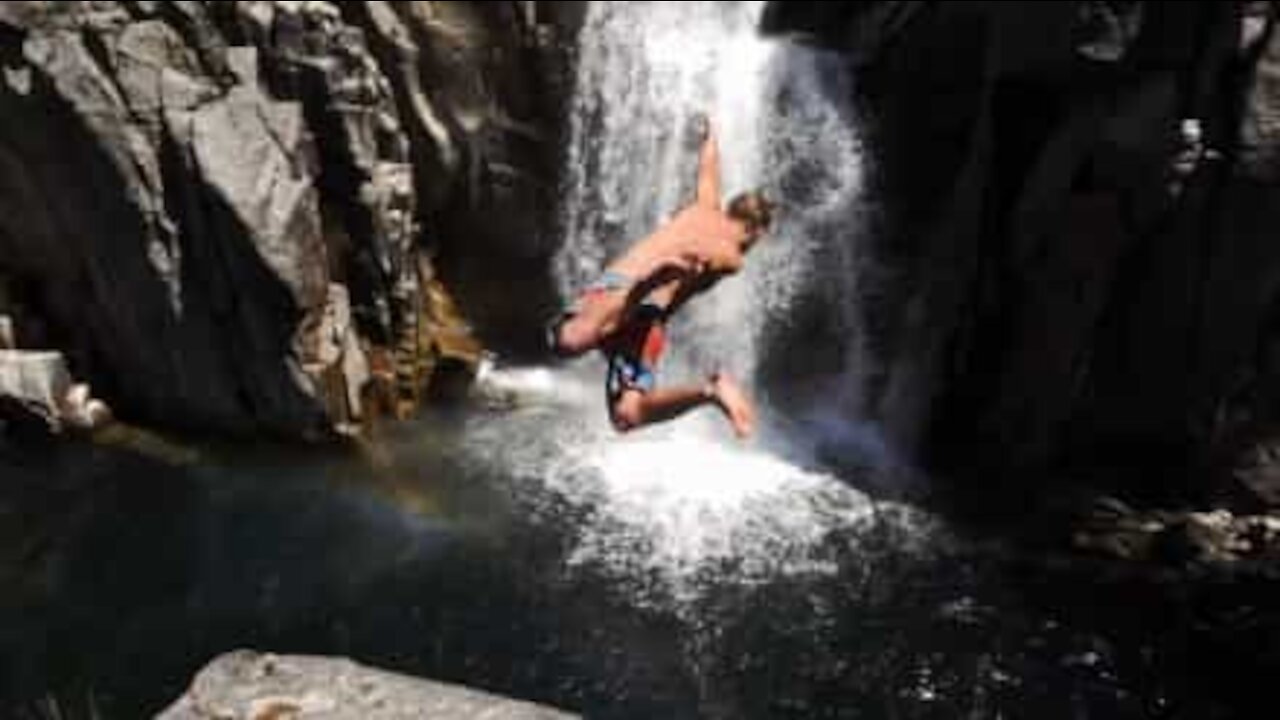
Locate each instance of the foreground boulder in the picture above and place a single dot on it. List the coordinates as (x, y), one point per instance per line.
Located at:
(251, 686)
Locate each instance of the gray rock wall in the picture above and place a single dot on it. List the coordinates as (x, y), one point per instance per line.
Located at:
(223, 213)
(1079, 212)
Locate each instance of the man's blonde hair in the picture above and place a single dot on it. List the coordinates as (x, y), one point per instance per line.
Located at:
(752, 208)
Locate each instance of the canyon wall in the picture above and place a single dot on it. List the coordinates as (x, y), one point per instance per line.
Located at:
(1078, 230)
(248, 217)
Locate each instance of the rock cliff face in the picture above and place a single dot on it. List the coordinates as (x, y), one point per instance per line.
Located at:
(1080, 212)
(225, 214)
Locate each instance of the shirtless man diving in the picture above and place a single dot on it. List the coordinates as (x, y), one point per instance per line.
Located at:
(624, 312)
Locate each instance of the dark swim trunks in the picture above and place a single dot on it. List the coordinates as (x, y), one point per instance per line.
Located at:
(634, 350)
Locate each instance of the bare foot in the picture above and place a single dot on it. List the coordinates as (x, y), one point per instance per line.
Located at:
(735, 404)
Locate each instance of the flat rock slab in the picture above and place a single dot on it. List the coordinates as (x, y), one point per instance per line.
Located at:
(38, 381)
(246, 685)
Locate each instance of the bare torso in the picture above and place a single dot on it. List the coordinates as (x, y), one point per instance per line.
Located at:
(684, 257)
(698, 233)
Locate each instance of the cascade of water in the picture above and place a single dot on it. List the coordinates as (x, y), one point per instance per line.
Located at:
(647, 70)
(674, 500)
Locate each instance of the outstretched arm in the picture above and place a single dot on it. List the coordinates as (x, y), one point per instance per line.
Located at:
(709, 168)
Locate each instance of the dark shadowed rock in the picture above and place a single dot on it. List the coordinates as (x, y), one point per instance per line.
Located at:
(251, 686)
(1078, 208)
(497, 75)
(1260, 133)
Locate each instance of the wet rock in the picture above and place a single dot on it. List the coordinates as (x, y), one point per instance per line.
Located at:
(81, 411)
(1260, 126)
(1204, 538)
(271, 154)
(37, 386)
(1215, 541)
(1074, 267)
(1104, 30)
(36, 382)
(340, 361)
(223, 213)
(485, 84)
(252, 686)
(1256, 472)
(1113, 529)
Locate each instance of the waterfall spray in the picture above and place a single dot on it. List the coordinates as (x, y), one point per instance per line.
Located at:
(673, 500)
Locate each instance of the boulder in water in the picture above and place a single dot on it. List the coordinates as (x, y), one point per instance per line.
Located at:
(247, 685)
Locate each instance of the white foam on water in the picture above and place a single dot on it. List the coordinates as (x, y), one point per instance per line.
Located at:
(690, 504)
(669, 509)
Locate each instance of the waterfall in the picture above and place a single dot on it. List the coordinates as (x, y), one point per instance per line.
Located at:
(670, 503)
(647, 70)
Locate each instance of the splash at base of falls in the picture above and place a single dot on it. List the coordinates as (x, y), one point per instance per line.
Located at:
(670, 509)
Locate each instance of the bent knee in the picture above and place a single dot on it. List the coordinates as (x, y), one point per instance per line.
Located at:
(627, 411)
(573, 338)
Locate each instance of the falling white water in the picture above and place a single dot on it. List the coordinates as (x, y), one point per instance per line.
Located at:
(674, 502)
(647, 71)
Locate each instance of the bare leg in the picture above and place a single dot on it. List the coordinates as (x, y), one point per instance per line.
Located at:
(635, 409)
(594, 319)
(734, 403)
